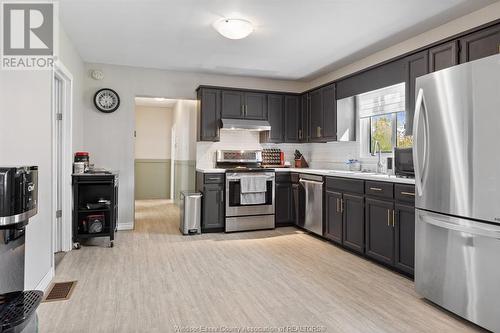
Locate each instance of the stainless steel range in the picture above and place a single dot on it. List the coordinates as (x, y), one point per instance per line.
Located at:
(249, 190)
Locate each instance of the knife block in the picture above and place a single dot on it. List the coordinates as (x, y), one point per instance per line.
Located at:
(301, 163)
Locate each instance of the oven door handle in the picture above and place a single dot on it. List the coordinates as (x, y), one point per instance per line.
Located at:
(307, 181)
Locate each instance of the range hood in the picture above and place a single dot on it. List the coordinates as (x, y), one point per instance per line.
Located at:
(245, 124)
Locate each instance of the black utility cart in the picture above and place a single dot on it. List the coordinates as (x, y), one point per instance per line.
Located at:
(95, 206)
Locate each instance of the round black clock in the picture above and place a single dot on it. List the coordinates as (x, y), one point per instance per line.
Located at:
(106, 100)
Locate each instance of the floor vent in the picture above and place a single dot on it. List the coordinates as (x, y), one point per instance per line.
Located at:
(60, 291)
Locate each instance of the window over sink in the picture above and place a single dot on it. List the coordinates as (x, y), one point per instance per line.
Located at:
(382, 118)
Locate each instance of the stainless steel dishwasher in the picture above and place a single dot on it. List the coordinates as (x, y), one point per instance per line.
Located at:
(313, 188)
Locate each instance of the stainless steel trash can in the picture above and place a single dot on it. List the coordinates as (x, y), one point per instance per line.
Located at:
(190, 213)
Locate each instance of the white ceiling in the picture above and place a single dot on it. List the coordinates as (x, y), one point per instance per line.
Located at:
(293, 39)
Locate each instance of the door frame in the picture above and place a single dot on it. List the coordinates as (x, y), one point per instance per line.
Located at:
(61, 72)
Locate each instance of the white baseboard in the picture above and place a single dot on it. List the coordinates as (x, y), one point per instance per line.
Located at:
(47, 279)
(125, 226)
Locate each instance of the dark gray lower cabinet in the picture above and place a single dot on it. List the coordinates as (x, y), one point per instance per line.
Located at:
(283, 204)
(211, 185)
(405, 238)
(213, 208)
(380, 230)
(299, 204)
(333, 216)
(353, 235)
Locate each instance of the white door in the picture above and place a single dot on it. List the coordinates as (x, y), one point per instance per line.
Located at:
(58, 158)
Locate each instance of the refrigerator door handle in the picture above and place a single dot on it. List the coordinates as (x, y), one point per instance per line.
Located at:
(419, 172)
(462, 225)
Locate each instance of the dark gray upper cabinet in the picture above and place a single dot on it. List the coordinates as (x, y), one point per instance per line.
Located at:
(415, 65)
(333, 216)
(322, 114)
(209, 111)
(443, 56)
(304, 118)
(315, 115)
(255, 106)
(380, 230)
(275, 112)
(379, 77)
(233, 104)
(404, 258)
(329, 129)
(481, 44)
(292, 118)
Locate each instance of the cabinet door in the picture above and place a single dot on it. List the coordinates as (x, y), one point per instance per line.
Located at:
(481, 44)
(255, 106)
(333, 230)
(283, 210)
(416, 65)
(316, 115)
(405, 238)
(213, 206)
(329, 128)
(275, 110)
(232, 104)
(209, 114)
(353, 235)
(443, 56)
(299, 204)
(292, 118)
(380, 230)
(304, 119)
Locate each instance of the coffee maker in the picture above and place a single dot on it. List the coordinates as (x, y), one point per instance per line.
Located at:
(18, 203)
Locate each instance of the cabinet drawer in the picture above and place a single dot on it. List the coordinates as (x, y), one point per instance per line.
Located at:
(345, 184)
(213, 178)
(405, 193)
(379, 189)
(283, 177)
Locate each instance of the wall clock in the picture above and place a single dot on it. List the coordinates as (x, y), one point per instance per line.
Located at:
(106, 100)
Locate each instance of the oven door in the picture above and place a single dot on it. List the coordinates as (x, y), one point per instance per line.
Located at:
(234, 207)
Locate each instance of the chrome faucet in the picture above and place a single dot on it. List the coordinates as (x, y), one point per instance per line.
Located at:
(379, 153)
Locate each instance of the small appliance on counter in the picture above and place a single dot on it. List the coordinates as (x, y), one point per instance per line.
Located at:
(18, 203)
(403, 162)
(300, 161)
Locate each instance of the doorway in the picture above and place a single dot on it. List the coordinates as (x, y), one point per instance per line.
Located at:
(62, 93)
(165, 154)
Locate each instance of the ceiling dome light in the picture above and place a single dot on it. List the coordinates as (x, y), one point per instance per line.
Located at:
(233, 28)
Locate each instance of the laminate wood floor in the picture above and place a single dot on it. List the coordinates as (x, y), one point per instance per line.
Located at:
(156, 280)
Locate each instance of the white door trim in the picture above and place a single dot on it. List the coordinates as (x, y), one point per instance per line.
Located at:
(61, 72)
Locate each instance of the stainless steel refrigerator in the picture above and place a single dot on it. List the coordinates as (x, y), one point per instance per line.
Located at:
(457, 174)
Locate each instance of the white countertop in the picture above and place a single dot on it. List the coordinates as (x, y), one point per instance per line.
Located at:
(331, 173)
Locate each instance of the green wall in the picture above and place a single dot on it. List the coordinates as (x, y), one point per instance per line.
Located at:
(152, 179)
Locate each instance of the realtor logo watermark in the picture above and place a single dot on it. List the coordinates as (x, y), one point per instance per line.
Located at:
(28, 35)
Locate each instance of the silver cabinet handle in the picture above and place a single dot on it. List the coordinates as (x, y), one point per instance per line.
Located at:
(393, 218)
(375, 189)
(341, 205)
(310, 181)
(408, 193)
(337, 200)
(388, 217)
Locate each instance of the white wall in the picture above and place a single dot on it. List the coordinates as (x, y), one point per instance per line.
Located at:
(153, 126)
(185, 122)
(464, 23)
(110, 137)
(26, 139)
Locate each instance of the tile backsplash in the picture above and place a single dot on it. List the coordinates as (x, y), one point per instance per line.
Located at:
(331, 155)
